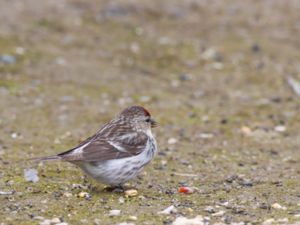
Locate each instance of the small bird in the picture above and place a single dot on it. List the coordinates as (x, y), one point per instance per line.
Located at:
(118, 151)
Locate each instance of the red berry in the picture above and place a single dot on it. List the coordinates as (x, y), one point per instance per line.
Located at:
(186, 190)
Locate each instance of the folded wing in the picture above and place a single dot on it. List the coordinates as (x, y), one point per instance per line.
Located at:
(98, 149)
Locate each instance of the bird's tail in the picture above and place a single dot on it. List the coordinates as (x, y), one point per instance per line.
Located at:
(47, 158)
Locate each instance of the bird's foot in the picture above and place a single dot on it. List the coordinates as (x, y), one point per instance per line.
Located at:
(115, 189)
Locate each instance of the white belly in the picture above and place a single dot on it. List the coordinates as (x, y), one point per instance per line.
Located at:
(118, 171)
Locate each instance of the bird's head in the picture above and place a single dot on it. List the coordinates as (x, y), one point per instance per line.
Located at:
(139, 117)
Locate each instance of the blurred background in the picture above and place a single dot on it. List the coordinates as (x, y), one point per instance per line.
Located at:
(221, 78)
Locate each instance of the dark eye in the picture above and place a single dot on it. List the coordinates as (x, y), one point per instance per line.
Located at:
(148, 120)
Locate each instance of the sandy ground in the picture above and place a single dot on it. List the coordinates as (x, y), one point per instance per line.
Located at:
(213, 73)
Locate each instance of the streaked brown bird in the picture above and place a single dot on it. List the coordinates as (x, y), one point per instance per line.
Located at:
(118, 151)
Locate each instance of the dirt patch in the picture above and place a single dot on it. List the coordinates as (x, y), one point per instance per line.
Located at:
(213, 73)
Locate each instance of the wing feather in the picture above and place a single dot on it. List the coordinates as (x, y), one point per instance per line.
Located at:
(101, 149)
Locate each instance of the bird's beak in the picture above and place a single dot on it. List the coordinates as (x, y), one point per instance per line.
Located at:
(153, 123)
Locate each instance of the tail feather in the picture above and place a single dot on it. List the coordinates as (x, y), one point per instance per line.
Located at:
(47, 158)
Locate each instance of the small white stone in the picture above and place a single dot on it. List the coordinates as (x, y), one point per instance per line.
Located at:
(114, 212)
(198, 220)
(280, 128)
(97, 221)
(145, 98)
(131, 193)
(209, 209)
(172, 141)
(60, 61)
(6, 192)
(268, 221)
(283, 220)
(220, 213)
(164, 40)
(125, 223)
(224, 204)
(121, 200)
(175, 83)
(132, 218)
(217, 65)
(38, 218)
(278, 206)
(83, 194)
(68, 194)
(55, 220)
(163, 162)
(45, 222)
(14, 135)
(63, 223)
(135, 48)
(20, 50)
(170, 210)
(206, 135)
(31, 175)
(209, 54)
(246, 131)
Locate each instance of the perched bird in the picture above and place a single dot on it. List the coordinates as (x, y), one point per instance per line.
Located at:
(118, 151)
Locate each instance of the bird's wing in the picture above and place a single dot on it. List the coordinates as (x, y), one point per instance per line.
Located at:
(101, 149)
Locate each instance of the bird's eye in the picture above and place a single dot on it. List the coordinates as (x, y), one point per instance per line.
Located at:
(148, 120)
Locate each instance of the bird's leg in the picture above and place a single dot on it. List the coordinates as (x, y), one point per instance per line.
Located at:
(117, 189)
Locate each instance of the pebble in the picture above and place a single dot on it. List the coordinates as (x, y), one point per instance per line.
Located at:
(295, 85)
(31, 175)
(68, 194)
(125, 223)
(97, 221)
(114, 212)
(217, 66)
(55, 220)
(145, 99)
(134, 48)
(84, 195)
(172, 141)
(121, 200)
(190, 210)
(206, 135)
(278, 206)
(170, 210)
(132, 218)
(20, 50)
(198, 220)
(209, 209)
(283, 220)
(280, 128)
(220, 213)
(131, 193)
(163, 163)
(6, 192)
(8, 59)
(246, 131)
(268, 221)
(60, 61)
(186, 190)
(211, 54)
(14, 135)
(38, 218)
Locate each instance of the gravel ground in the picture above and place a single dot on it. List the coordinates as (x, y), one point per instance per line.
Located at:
(220, 77)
